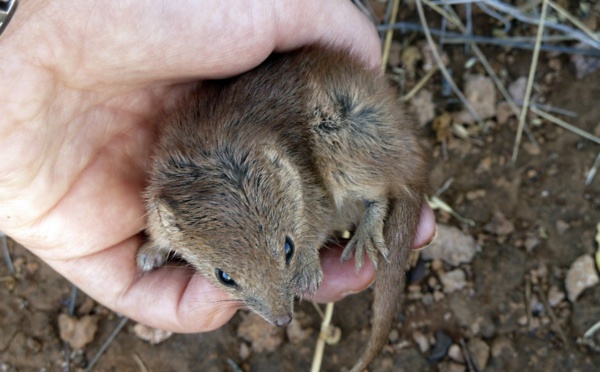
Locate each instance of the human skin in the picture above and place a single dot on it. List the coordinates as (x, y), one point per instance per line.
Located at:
(81, 84)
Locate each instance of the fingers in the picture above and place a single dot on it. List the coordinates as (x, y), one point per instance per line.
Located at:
(427, 230)
(157, 41)
(342, 280)
(170, 298)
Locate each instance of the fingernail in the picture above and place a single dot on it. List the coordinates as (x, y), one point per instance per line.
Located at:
(435, 234)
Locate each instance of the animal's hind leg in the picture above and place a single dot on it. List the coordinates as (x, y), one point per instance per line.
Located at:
(368, 237)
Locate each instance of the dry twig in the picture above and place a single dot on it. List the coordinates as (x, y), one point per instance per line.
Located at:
(106, 344)
(534, 62)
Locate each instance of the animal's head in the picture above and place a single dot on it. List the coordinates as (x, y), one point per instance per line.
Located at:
(239, 217)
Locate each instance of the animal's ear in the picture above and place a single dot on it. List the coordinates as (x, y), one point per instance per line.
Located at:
(281, 161)
(165, 208)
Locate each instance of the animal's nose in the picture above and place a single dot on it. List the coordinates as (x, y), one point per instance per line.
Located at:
(283, 321)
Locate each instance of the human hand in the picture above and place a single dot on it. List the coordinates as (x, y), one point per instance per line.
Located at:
(81, 84)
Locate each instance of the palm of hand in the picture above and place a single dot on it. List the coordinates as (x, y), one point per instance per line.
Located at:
(77, 134)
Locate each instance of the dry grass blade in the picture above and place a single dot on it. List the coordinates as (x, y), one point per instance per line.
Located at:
(528, 90)
(574, 20)
(441, 66)
(419, 85)
(140, 363)
(388, 36)
(106, 344)
(592, 173)
(553, 318)
(318, 356)
(565, 125)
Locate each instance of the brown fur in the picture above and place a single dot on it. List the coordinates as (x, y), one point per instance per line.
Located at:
(308, 143)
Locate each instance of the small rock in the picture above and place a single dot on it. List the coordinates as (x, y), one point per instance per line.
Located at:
(531, 242)
(438, 296)
(484, 326)
(86, 307)
(451, 367)
(454, 280)
(481, 94)
(476, 194)
(34, 344)
(262, 336)
(503, 112)
(517, 89)
(452, 246)
(455, 353)
(502, 347)
(484, 166)
(584, 65)
(532, 148)
(244, 351)
(295, 333)
(394, 55)
(423, 106)
(427, 299)
(410, 57)
(152, 335)
(437, 265)
(442, 344)
(77, 332)
(394, 336)
(499, 225)
(580, 276)
(562, 227)
(421, 340)
(555, 296)
(480, 352)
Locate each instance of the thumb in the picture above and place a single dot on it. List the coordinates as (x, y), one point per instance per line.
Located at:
(141, 41)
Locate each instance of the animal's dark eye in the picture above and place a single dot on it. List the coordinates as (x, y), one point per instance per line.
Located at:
(289, 249)
(225, 278)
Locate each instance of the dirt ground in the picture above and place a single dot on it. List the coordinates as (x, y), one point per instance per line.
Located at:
(508, 312)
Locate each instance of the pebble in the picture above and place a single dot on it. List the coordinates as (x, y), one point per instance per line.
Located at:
(421, 340)
(296, 333)
(152, 335)
(455, 353)
(499, 225)
(394, 335)
(502, 347)
(442, 344)
(451, 246)
(481, 94)
(437, 265)
(451, 367)
(454, 280)
(562, 227)
(262, 336)
(480, 352)
(244, 351)
(555, 296)
(580, 276)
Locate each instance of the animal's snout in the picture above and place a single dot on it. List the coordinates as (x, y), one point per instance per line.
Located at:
(283, 321)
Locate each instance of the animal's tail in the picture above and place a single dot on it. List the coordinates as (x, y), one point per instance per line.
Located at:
(399, 232)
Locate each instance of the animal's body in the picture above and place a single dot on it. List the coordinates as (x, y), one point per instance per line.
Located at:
(255, 173)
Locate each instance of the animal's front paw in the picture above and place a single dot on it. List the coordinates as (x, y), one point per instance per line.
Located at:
(150, 257)
(308, 280)
(369, 240)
